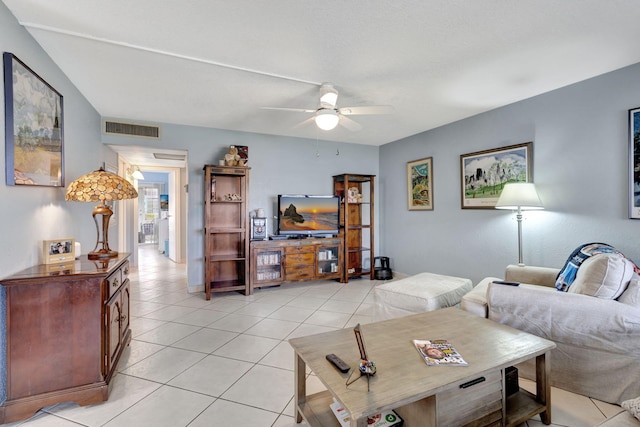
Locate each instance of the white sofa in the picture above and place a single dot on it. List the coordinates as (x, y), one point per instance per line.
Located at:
(621, 419)
(598, 339)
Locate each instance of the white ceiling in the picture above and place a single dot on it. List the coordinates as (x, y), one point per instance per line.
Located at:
(214, 63)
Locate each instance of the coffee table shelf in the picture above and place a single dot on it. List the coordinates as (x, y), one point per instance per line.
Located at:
(317, 412)
(521, 406)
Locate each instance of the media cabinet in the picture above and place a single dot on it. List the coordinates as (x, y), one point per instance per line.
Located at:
(276, 262)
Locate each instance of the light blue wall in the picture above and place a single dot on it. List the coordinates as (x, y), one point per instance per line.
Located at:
(580, 145)
(278, 164)
(32, 214)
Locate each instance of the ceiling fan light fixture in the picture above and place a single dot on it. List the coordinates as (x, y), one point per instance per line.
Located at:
(327, 119)
(328, 96)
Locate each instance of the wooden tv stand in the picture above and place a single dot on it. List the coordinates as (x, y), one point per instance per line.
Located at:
(276, 262)
(66, 327)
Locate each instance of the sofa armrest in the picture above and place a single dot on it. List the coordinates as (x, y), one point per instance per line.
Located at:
(575, 319)
(541, 276)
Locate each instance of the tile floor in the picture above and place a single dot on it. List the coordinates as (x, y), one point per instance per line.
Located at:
(226, 362)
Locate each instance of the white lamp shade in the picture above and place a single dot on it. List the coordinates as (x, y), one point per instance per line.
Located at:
(327, 119)
(519, 195)
(138, 175)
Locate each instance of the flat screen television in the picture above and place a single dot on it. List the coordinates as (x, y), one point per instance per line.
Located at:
(304, 215)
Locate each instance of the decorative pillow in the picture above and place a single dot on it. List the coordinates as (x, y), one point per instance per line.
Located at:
(567, 274)
(603, 276)
(631, 295)
(633, 406)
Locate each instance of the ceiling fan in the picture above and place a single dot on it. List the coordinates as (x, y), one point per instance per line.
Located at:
(327, 116)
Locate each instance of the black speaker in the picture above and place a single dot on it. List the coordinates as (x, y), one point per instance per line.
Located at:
(381, 270)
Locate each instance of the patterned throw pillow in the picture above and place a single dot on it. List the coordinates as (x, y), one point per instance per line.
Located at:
(633, 406)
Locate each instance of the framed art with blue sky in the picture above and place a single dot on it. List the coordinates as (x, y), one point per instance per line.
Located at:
(485, 173)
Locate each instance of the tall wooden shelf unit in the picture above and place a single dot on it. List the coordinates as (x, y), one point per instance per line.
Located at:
(356, 222)
(226, 244)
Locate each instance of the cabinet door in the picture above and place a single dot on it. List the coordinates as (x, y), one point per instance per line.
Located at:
(125, 313)
(327, 261)
(267, 266)
(114, 312)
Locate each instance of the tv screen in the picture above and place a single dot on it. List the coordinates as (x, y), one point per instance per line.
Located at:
(308, 215)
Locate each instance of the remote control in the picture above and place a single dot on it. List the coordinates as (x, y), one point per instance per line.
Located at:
(502, 282)
(338, 363)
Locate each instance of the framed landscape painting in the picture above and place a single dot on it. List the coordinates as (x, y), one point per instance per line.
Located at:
(485, 173)
(420, 184)
(634, 163)
(33, 127)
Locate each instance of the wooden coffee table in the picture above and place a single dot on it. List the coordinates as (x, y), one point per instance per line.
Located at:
(425, 395)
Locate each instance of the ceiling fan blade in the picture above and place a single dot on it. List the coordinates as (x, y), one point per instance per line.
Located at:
(349, 124)
(366, 109)
(295, 110)
(305, 122)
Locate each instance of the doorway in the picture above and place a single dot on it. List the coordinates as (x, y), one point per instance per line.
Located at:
(159, 211)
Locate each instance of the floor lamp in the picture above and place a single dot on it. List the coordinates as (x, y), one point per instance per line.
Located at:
(100, 186)
(519, 196)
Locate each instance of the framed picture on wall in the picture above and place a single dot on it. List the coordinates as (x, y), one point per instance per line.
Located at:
(420, 184)
(634, 163)
(483, 174)
(33, 127)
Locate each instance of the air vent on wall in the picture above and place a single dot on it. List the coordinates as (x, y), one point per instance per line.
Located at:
(131, 129)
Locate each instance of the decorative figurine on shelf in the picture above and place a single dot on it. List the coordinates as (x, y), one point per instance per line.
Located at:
(232, 197)
(366, 367)
(354, 195)
(232, 158)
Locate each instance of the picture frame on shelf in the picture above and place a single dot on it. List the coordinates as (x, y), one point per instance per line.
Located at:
(58, 250)
(634, 163)
(258, 228)
(34, 141)
(420, 184)
(483, 174)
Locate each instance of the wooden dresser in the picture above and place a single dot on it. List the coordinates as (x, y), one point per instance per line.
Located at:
(65, 329)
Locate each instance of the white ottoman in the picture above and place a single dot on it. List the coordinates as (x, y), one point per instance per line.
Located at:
(417, 294)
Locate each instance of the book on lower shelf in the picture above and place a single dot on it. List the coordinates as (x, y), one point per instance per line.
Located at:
(383, 419)
(439, 353)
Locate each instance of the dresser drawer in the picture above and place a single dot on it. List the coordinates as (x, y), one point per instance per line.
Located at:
(471, 402)
(299, 258)
(117, 278)
(301, 272)
(299, 249)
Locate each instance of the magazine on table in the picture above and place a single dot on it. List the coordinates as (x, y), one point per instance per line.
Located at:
(439, 353)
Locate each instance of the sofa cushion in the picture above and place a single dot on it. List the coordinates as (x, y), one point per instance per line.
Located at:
(631, 295)
(603, 276)
(569, 271)
(633, 406)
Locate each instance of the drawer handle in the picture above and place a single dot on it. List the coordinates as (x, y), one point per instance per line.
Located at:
(116, 283)
(122, 318)
(473, 382)
(126, 270)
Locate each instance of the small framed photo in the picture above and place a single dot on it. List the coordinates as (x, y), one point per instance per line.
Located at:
(485, 173)
(420, 184)
(634, 163)
(59, 250)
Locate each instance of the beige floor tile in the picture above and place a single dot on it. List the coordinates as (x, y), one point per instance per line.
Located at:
(165, 407)
(263, 387)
